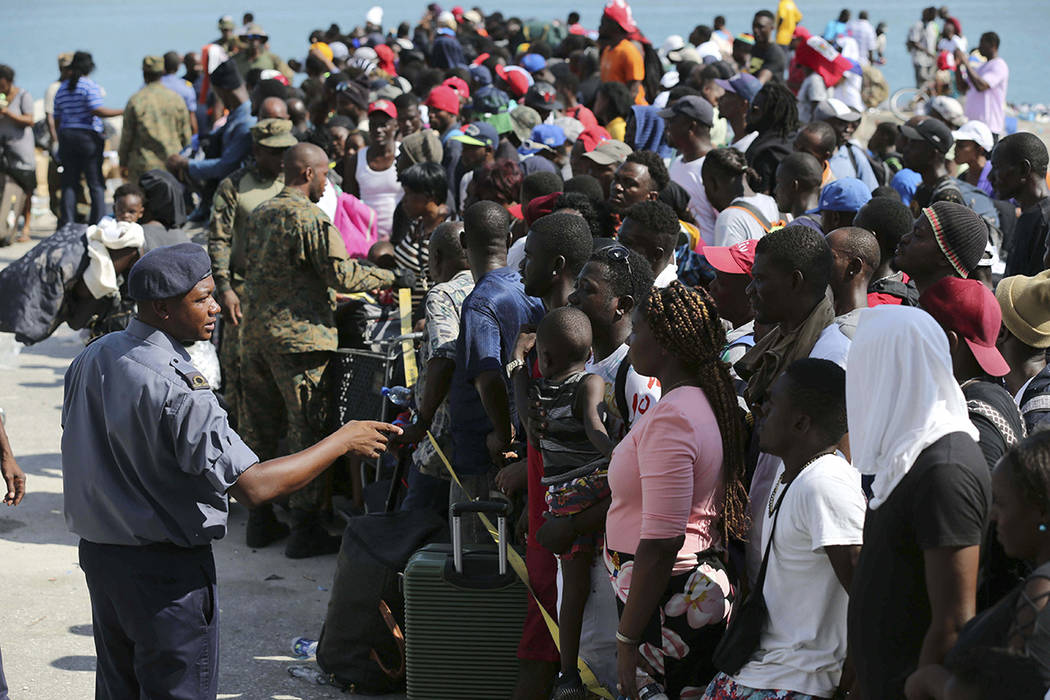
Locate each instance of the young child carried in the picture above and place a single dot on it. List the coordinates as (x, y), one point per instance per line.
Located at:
(576, 448)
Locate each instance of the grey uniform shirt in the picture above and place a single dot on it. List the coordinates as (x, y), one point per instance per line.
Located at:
(147, 453)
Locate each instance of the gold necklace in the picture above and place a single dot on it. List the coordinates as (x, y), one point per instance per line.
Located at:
(776, 486)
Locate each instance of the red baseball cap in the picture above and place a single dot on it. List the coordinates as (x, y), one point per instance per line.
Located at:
(459, 85)
(385, 106)
(733, 260)
(971, 310)
(592, 136)
(516, 79)
(443, 97)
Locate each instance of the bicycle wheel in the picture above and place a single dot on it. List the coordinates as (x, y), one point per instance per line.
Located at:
(905, 102)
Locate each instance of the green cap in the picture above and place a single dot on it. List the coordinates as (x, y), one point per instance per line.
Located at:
(153, 64)
(274, 133)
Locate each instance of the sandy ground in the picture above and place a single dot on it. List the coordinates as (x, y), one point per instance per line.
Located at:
(48, 651)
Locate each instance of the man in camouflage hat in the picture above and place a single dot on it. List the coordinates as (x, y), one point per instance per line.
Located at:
(255, 53)
(235, 199)
(228, 40)
(156, 124)
(295, 262)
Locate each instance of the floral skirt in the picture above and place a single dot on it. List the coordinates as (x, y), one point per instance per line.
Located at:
(725, 688)
(680, 638)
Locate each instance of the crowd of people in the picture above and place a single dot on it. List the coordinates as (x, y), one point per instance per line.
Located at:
(665, 295)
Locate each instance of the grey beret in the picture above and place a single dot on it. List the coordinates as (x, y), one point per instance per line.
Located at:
(168, 271)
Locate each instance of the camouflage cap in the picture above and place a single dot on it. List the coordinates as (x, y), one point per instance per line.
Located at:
(274, 133)
(226, 22)
(153, 64)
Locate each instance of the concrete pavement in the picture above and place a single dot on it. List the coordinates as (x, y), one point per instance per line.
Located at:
(264, 599)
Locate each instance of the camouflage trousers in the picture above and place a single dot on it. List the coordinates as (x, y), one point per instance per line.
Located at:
(276, 390)
(230, 362)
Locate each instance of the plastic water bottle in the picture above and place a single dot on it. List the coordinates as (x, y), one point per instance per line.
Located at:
(398, 395)
(304, 647)
(653, 691)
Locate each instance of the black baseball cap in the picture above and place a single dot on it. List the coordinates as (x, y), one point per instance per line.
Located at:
(932, 131)
(696, 108)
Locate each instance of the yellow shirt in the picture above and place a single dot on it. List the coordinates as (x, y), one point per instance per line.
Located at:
(788, 18)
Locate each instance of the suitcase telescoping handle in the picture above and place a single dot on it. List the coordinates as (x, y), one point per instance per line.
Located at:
(456, 510)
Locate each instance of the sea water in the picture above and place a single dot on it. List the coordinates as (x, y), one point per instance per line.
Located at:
(120, 32)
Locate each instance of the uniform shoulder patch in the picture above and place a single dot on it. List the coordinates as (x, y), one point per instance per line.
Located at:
(191, 376)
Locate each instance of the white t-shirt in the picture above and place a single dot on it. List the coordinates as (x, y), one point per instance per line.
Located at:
(667, 275)
(832, 345)
(804, 643)
(745, 141)
(516, 253)
(641, 393)
(736, 225)
(687, 175)
(710, 48)
(812, 91)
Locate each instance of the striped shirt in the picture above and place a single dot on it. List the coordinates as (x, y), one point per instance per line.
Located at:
(73, 109)
(412, 253)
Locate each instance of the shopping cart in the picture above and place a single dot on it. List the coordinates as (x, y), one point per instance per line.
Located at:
(359, 375)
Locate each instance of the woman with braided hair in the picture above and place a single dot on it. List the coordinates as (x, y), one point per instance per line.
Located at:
(677, 497)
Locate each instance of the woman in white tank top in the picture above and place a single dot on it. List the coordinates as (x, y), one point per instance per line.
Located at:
(374, 179)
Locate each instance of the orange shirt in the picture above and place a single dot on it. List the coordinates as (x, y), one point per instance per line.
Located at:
(623, 63)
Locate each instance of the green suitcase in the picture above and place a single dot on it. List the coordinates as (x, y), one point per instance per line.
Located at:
(464, 613)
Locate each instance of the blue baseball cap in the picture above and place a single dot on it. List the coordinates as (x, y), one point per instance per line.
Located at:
(478, 134)
(744, 85)
(845, 194)
(545, 137)
(533, 62)
(481, 75)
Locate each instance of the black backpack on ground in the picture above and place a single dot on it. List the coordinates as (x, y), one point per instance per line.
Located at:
(362, 644)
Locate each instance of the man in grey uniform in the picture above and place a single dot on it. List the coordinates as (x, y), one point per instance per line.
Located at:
(148, 460)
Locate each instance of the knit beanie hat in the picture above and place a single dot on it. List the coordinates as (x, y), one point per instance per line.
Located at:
(961, 234)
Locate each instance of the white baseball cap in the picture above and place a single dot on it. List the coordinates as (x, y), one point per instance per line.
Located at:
(837, 109)
(976, 131)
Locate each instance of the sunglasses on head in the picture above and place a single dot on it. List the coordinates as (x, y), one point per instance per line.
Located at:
(620, 253)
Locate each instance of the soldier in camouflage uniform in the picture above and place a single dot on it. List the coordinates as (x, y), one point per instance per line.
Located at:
(156, 124)
(296, 261)
(235, 199)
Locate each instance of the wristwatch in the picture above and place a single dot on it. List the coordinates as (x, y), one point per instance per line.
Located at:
(512, 366)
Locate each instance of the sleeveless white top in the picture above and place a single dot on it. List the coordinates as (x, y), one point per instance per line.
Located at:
(379, 190)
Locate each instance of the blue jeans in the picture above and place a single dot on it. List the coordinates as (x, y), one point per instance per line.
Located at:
(80, 151)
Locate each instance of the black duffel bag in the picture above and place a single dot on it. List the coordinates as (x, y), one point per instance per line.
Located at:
(362, 645)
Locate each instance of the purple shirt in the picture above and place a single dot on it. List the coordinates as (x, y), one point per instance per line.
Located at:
(989, 106)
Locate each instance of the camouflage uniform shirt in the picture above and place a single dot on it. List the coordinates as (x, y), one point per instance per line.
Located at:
(236, 198)
(442, 304)
(296, 261)
(156, 125)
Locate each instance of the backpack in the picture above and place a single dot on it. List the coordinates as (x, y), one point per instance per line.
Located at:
(767, 226)
(874, 89)
(973, 197)
(362, 645)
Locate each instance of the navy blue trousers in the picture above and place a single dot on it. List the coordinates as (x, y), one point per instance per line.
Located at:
(156, 621)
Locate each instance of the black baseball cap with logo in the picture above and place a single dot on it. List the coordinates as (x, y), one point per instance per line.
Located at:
(932, 131)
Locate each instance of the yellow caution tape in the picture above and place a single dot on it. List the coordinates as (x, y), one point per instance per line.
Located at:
(408, 348)
(518, 564)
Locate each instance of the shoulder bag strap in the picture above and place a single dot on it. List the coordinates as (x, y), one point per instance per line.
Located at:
(760, 580)
(753, 211)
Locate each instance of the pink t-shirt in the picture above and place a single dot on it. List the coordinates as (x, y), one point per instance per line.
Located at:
(666, 478)
(989, 106)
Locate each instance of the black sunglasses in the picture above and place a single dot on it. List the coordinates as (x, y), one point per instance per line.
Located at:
(620, 253)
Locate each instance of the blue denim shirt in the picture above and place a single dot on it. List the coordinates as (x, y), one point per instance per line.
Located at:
(236, 144)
